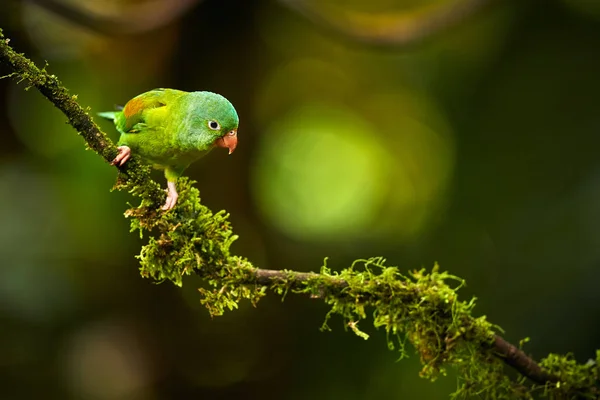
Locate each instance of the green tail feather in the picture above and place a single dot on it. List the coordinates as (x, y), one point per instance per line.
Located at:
(108, 115)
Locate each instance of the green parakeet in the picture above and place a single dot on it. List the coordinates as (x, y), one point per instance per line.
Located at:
(171, 129)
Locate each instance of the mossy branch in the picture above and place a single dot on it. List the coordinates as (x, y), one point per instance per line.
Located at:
(419, 307)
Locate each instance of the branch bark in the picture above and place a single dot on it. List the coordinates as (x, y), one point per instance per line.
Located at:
(516, 358)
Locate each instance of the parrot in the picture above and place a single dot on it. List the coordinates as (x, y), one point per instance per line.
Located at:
(172, 128)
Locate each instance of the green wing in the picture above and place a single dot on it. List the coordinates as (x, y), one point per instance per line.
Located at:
(132, 118)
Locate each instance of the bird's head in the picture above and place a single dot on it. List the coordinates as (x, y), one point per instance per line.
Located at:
(220, 119)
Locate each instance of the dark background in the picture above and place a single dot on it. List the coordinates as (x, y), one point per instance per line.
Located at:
(477, 149)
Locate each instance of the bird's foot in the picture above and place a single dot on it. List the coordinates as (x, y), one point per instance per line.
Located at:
(122, 157)
(172, 196)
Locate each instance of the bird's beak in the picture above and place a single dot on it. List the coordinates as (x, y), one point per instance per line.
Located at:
(229, 141)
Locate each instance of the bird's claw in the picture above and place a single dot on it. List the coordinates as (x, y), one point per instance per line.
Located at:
(172, 197)
(122, 157)
(170, 203)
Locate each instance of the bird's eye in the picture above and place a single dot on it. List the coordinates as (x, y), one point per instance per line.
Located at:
(214, 125)
(232, 133)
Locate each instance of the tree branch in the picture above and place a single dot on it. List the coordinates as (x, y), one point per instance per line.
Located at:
(421, 308)
(132, 174)
(51, 88)
(520, 361)
(510, 354)
(388, 30)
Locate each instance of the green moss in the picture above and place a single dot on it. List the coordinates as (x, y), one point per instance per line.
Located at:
(421, 307)
(575, 381)
(189, 239)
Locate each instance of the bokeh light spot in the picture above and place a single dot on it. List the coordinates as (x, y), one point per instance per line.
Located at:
(320, 172)
(107, 360)
(329, 172)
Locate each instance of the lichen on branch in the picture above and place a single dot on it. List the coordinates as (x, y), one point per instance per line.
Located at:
(419, 307)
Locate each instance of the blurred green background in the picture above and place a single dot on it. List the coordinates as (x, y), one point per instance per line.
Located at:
(477, 148)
